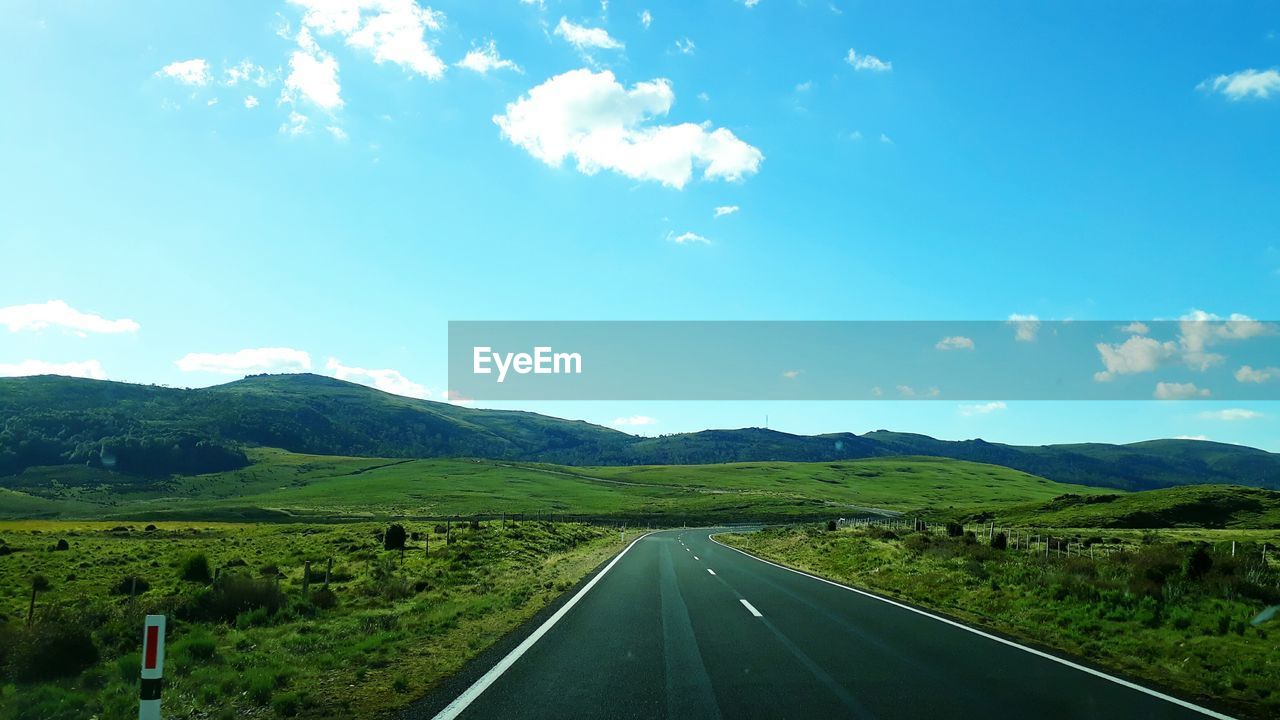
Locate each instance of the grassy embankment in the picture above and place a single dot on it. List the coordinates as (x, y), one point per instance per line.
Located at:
(281, 485)
(387, 630)
(1165, 608)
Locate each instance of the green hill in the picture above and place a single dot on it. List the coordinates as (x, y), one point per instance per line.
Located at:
(1201, 506)
(153, 432)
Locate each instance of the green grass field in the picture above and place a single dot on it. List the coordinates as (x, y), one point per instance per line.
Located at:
(281, 485)
(392, 627)
(1207, 506)
(1165, 608)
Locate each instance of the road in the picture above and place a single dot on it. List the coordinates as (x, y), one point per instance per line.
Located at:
(680, 626)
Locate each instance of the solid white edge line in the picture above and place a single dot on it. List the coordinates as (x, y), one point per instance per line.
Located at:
(750, 608)
(468, 696)
(989, 636)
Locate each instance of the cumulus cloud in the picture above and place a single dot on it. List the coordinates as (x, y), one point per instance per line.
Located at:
(250, 102)
(1136, 328)
(313, 75)
(57, 313)
(646, 18)
(1247, 374)
(1138, 354)
(792, 374)
(1179, 391)
(723, 210)
(955, 342)
(982, 408)
(907, 391)
(592, 118)
(635, 420)
(685, 46)
(246, 71)
(188, 72)
(867, 62)
(1260, 84)
(1231, 415)
(484, 58)
(83, 369)
(586, 38)
(686, 238)
(246, 361)
(1025, 327)
(391, 30)
(386, 380)
(295, 125)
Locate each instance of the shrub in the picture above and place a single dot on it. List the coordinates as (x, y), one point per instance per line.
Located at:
(39, 583)
(954, 529)
(199, 644)
(999, 541)
(324, 599)
(286, 705)
(1197, 564)
(195, 568)
(394, 538)
(62, 545)
(131, 585)
(233, 594)
(56, 646)
(831, 526)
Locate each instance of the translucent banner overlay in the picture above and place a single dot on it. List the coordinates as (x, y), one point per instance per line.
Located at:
(1025, 359)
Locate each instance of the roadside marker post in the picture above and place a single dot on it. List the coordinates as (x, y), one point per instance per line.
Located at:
(152, 668)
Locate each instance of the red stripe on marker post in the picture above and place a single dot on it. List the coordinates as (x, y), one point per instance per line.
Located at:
(152, 668)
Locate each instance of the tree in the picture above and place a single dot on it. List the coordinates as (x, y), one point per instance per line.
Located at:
(393, 538)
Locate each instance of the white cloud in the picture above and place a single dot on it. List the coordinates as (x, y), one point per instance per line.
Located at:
(188, 72)
(540, 3)
(855, 136)
(82, 369)
(1138, 354)
(955, 342)
(1247, 374)
(982, 408)
(585, 38)
(886, 139)
(56, 313)
(246, 71)
(338, 133)
(484, 58)
(1179, 391)
(1231, 415)
(910, 392)
(386, 380)
(1202, 438)
(792, 374)
(635, 420)
(1261, 84)
(646, 18)
(1025, 327)
(723, 210)
(603, 125)
(391, 30)
(250, 102)
(685, 46)
(245, 361)
(313, 75)
(686, 238)
(751, 3)
(1136, 328)
(295, 125)
(867, 62)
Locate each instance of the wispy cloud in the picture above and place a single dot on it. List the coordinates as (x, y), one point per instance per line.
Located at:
(1231, 415)
(246, 361)
(634, 420)
(685, 46)
(686, 238)
(1025, 327)
(83, 369)
(188, 72)
(484, 58)
(1247, 374)
(867, 62)
(955, 342)
(646, 18)
(1179, 391)
(792, 374)
(586, 38)
(57, 313)
(1260, 84)
(385, 379)
(986, 408)
(723, 210)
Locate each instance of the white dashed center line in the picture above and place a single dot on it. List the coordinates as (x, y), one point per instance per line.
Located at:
(713, 572)
(750, 608)
(695, 557)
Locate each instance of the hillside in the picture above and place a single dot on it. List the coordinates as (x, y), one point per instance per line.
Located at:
(283, 485)
(152, 431)
(1203, 506)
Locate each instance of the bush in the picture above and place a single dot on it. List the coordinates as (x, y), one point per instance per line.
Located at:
(56, 646)
(50, 702)
(62, 545)
(999, 541)
(131, 585)
(39, 583)
(199, 644)
(954, 529)
(233, 594)
(1197, 564)
(195, 568)
(286, 705)
(831, 526)
(324, 598)
(393, 538)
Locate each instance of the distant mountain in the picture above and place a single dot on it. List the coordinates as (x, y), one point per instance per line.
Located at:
(52, 420)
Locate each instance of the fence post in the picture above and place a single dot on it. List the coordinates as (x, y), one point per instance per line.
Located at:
(306, 578)
(328, 570)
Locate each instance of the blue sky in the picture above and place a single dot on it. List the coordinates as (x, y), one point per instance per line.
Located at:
(887, 161)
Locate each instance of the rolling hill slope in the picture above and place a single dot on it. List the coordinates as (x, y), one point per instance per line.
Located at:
(156, 431)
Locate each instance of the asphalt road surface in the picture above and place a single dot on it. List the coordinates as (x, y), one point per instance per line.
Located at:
(682, 627)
